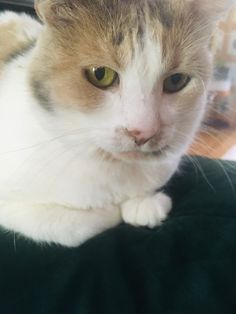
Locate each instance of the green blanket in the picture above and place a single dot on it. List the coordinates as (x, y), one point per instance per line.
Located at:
(186, 266)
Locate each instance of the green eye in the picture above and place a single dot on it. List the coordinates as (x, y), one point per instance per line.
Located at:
(101, 77)
(176, 83)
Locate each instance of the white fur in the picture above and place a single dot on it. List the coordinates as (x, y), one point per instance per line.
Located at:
(138, 92)
(53, 185)
(149, 212)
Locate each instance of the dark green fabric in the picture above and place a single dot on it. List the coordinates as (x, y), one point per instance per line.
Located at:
(186, 266)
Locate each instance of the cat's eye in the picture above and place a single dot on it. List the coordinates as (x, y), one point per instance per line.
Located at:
(176, 83)
(101, 77)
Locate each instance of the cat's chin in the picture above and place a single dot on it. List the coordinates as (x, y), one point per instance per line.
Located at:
(130, 155)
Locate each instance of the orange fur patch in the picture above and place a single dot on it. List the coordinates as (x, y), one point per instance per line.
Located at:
(106, 33)
(12, 39)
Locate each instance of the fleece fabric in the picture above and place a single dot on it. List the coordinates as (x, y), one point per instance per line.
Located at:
(187, 265)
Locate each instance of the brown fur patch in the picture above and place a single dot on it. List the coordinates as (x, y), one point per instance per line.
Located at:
(40, 92)
(63, 71)
(106, 33)
(183, 44)
(163, 11)
(95, 35)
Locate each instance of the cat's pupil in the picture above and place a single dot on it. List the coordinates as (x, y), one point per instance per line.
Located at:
(100, 73)
(176, 79)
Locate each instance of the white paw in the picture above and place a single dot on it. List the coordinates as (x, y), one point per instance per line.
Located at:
(149, 212)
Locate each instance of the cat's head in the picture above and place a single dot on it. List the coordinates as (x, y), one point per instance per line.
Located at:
(128, 77)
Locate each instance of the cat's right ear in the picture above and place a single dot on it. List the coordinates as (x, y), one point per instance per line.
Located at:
(54, 12)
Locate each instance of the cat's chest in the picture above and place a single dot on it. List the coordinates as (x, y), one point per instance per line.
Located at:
(52, 173)
(89, 184)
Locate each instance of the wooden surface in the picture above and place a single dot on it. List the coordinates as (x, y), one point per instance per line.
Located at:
(213, 143)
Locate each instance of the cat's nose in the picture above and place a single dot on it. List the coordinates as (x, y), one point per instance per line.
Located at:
(141, 137)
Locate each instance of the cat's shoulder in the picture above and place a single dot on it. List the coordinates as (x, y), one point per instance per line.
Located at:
(18, 32)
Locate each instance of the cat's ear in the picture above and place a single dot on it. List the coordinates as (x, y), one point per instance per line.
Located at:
(55, 12)
(214, 10)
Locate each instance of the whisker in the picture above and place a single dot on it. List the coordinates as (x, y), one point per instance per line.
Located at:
(67, 134)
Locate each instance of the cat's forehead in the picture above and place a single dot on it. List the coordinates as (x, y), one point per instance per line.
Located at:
(120, 27)
(116, 20)
(117, 33)
(130, 11)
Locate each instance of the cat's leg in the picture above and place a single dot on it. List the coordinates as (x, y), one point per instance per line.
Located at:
(57, 224)
(149, 212)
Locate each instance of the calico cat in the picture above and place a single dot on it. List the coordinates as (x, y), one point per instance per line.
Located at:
(96, 113)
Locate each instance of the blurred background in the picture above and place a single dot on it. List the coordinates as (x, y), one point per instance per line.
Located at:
(217, 136)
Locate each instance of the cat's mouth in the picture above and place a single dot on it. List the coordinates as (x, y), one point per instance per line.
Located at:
(134, 154)
(139, 155)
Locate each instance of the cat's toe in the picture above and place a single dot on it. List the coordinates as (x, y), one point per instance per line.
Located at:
(149, 212)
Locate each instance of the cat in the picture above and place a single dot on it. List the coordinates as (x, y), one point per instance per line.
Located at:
(97, 107)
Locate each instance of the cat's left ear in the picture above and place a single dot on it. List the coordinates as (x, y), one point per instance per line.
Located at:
(54, 12)
(213, 10)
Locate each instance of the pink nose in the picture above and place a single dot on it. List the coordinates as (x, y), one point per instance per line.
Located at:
(140, 137)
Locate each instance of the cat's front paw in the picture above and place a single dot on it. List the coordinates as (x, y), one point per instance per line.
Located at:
(149, 212)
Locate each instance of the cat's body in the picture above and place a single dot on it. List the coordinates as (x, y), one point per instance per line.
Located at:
(37, 168)
(75, 159)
